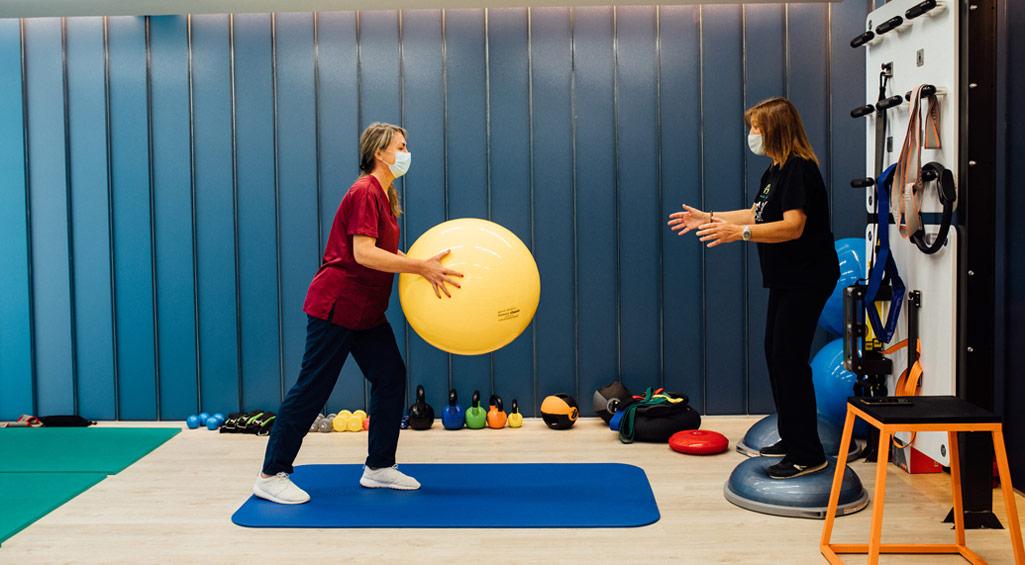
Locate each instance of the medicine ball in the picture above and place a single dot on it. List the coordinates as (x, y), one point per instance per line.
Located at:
(608, 398)
(559, 411)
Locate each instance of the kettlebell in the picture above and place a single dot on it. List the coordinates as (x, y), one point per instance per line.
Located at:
(355, 424)
(325, 426)
(496, 414)
(366, 424)
(341, 422)
(475, 415)
(316, 423)
(359, 415)
(421, 414)
(515, 418)
(452, 415)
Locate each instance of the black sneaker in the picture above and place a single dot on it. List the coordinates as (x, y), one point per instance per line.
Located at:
(775, 450)
(787, 469)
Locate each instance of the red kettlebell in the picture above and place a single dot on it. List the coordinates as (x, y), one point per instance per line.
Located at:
(496, 414)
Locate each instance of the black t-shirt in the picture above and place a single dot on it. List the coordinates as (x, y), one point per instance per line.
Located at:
(810, 260)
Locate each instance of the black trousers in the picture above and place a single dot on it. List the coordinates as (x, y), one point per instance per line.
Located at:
(790, 328)
(327, 347)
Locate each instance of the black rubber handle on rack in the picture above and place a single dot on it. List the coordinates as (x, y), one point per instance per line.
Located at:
(863, 182)
(889, 103)
(927, 91)
(863, 39)
(920, 9)
(862, 111)
(889, 25)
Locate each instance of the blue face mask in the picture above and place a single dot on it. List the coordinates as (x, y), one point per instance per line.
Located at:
(403, 159)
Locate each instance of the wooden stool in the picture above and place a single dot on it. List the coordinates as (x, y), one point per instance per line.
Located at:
(925, 414)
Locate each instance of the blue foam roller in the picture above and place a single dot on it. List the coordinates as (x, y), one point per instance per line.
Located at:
(525, 495)
(750, 487)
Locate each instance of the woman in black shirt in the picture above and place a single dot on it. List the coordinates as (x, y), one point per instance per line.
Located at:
(790, 223)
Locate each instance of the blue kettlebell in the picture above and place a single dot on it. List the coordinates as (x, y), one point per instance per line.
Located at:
(452, 416)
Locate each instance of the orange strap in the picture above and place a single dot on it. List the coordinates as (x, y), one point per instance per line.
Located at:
(908, 176)
(908, 382)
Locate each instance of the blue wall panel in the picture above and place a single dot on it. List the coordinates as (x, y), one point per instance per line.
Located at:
(132, 219)
(846, 135)
(94, 331)
(424, 103)
(640, 192)
(579, 129)
(765, 75)
(724, 141)
(466, 153)
(257, 205)
(173, 209)
(338, 103)
(510, 176)
(380, 100)
(50, 217)
(297, 179)
(16, 371)
(681, 180)
(553, 199)
(218, 339)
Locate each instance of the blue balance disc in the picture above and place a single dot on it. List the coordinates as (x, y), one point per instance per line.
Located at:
(750, 488)
(765, 433)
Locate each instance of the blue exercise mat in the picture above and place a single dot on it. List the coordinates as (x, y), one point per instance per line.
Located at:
(544, 495)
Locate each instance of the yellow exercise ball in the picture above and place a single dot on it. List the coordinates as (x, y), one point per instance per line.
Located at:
(500, 288)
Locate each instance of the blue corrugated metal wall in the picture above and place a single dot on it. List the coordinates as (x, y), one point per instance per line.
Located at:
(167, 184)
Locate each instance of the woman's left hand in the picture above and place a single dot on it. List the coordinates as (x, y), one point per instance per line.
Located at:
(718, 232)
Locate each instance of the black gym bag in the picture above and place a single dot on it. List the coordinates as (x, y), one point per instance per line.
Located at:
(656, 417)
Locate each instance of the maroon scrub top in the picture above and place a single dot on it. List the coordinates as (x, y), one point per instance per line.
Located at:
(344, 292)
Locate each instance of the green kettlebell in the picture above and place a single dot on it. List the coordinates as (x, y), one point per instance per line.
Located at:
(476, 417)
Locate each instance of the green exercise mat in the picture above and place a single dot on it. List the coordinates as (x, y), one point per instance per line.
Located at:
(77, 450)
(28, 497)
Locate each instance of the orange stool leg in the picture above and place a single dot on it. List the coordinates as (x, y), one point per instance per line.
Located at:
(1013, 527)
(882, 459)
(841, 466)
(955, 482)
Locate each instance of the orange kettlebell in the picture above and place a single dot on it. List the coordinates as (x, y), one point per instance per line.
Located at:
(496, 414)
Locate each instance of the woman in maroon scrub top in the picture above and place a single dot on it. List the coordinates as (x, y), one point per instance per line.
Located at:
(345, 305)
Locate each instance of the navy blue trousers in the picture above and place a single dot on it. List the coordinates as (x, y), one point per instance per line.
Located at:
(327, 347)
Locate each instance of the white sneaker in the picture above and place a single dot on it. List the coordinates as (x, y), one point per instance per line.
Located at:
(388, 477)
(279, 489)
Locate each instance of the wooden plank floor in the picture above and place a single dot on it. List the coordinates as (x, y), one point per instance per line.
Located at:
(174, 506)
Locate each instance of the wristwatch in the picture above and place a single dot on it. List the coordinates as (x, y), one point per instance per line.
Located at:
(746, 234)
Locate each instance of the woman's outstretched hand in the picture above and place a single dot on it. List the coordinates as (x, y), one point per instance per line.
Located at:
(718, 232)
(690, 219)
(438, 275)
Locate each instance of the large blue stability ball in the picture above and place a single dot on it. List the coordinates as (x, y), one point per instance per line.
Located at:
(765, 432)
(833, 385)
(751, 488)
(851, 253)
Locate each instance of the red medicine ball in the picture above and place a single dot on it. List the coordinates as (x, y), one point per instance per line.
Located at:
(699, 442)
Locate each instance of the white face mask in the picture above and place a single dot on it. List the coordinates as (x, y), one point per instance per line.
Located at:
(754, 141)
(403, 159)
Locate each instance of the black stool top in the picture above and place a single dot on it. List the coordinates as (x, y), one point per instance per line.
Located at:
(927, 410)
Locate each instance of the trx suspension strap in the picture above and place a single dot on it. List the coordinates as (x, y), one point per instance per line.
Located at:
(884, 269)
(908, 179)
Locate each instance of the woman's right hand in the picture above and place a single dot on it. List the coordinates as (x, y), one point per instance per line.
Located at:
(690, 219)
(438, 275)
